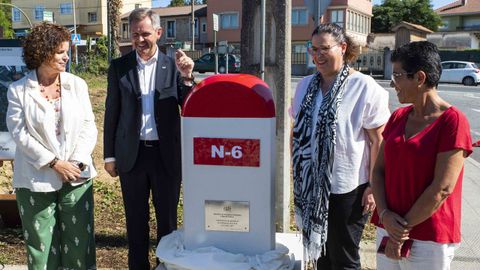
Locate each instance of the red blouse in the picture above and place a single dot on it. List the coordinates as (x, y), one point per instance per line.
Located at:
(410, 167)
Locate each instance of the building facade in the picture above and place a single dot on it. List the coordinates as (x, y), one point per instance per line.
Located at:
(460, 26)
(176, 23)
(354, 15)
(91, 15)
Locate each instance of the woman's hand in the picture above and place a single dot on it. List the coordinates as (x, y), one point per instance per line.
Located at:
(396, 226)
(393, 249)
(67, 171)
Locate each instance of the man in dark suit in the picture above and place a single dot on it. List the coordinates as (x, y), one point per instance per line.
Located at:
(142, 131)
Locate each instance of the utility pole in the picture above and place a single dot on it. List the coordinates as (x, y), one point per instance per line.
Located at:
(109, 38)
(262, 39)
(75, 31)
(193, 25)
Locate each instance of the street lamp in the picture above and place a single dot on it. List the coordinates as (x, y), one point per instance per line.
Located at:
(24, 14)
(75, 30)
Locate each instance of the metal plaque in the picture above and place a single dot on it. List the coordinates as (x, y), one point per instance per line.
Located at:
(227, 216)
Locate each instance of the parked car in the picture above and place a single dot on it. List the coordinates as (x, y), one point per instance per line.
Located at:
(206, 63)
(460, 72)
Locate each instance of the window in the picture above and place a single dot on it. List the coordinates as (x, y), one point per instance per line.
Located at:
(299, 48)
(16, 16)
(66, 8)
(204, 27)
(170, 29)
(337, 17)
(350, 19)
(138, 6)
(299, 16)
(92, 16)
(357, 22)
(39, 13)
(196, 27)
(206, 57)
(444, 25)
(229, 21)
(125, 30)
(446, 65)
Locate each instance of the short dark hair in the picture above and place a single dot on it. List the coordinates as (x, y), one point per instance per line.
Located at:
(40, 44)
(338, 33)
(420, 55)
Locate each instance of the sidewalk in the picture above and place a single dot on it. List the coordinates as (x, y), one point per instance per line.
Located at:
(467, 256)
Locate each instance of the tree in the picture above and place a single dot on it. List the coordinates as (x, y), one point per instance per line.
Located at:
(392, 12)
(114, 16)
(6, 19)
(180, 3)
(177, 3)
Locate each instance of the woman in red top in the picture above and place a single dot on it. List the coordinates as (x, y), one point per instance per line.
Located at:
(417, 179)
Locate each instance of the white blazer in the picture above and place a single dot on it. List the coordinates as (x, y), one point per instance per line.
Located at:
(31, 122)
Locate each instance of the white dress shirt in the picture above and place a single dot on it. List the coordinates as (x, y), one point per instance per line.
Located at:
(146, 76)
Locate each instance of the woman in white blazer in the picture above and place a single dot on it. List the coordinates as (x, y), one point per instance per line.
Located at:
(51, 121)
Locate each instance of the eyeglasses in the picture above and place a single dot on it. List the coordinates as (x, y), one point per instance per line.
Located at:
(396, 75)
(320, 50)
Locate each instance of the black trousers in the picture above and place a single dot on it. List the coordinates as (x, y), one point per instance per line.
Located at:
(148, 175)
(345, 227)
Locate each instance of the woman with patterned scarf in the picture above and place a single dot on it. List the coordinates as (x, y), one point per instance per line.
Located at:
(339, 116)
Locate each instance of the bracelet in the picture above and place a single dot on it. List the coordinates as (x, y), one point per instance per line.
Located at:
(188, 79)
(53, 162)
(79, 164)
(384, 211)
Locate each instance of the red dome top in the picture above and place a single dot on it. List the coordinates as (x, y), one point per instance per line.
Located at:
(230, 96)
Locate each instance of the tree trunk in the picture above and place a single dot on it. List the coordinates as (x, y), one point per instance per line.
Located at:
(277, 76)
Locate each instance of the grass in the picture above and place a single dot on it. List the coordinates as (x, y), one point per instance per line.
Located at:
(110, 233)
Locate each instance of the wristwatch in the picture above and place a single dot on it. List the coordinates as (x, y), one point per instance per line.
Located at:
(53, 162)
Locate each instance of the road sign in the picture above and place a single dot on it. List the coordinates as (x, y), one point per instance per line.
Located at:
(76, 39)
(215, 22)
(48, 16)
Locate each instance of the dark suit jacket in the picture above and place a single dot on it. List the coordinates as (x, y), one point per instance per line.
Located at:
(123, 111)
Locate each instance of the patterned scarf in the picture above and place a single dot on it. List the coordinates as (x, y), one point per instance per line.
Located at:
(313, 164)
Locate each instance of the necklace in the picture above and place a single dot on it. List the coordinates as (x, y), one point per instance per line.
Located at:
(55, 94)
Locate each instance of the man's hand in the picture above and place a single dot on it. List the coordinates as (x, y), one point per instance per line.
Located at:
(111, 168)
(184, 64)
(368, 202)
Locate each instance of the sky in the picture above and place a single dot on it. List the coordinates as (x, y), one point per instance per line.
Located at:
(160, 3)
(436, 3)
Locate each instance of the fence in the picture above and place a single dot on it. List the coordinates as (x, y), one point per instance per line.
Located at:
(299, 58)
(194, 54)
(371, 62)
